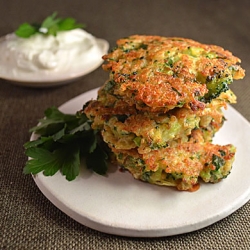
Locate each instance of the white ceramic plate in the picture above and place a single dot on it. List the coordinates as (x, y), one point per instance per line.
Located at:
(52, 79)
(118, 204)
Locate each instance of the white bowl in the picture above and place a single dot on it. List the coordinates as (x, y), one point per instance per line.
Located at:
(46, 78)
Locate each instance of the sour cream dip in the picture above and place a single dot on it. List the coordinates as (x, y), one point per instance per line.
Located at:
(48, 58)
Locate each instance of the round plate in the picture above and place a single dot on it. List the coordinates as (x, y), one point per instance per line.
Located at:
(118, 204)
(51, 79)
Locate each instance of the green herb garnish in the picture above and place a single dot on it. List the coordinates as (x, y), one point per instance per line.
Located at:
(50, 26)
(63, 141)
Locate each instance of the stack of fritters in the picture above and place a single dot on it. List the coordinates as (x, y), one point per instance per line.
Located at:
(161, 107)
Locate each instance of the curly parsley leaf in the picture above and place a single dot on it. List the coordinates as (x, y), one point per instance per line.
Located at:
(51, 25)
(64, 139)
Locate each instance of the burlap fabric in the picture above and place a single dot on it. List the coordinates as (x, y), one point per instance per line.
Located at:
(27, 219)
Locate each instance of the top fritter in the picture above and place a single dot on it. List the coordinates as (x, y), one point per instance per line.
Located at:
(158, 74)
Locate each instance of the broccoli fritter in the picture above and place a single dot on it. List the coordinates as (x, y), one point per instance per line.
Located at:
(150, 131)
(161, 107)
(158, 74)
(108, 105)
(180, 166)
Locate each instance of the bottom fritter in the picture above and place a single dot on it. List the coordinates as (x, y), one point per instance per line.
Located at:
(181, 166)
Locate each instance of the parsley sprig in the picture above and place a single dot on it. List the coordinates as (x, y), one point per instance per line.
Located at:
(63, 141)
(50, 26)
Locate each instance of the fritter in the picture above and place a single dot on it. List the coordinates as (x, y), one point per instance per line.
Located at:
(108, 105)
(157, 74)
(161, 107)
(181, 166)
(124, 127)
(150, 131)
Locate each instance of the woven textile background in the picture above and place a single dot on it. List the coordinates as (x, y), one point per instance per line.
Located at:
(27, 219)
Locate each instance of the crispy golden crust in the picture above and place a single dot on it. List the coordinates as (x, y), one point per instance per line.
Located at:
(179, 166)
(161, 107)
(108, 105)
(148, 132)
(158, 73)
(155, 129)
